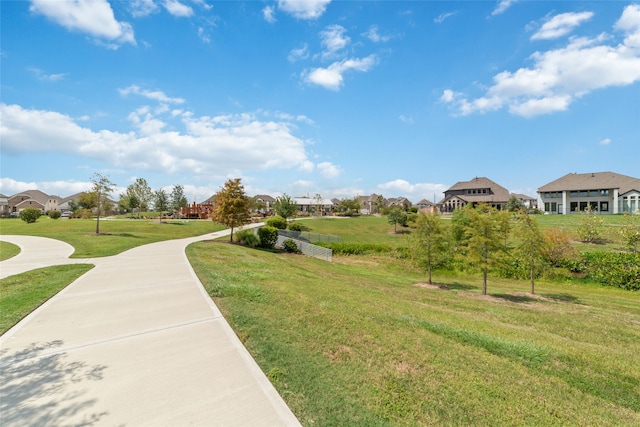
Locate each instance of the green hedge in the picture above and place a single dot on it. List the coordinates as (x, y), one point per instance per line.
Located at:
(340, 248)
(618, 269)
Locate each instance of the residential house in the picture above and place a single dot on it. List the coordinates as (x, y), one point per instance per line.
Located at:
(369, 204)
(33, 199)
(403, 202)
(478, 190)
(526, 201)
(604, 192)
(425, 206)
(268, 202)
(4, 205)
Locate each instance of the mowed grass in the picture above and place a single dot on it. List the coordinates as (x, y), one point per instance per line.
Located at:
(116, 235)
(8, 250)
(23, 293)
(357, 342)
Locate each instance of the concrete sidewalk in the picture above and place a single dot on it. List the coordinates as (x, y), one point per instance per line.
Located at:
(136, 341)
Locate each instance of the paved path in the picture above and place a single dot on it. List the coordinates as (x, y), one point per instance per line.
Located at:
(136, 341)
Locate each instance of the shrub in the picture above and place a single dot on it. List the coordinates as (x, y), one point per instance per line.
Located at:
(296, 226)
(248, 238)
(354, 248)
(268, 236)
(54, 214)
(589, 230)
(277, 222)
(559, 250)
(290, 245)
(614, 269)
(30, 215)
(82, 213)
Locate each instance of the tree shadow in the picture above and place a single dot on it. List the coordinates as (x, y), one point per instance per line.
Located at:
(563, 298)
(455, 286)
(515, 298)
(34, 389)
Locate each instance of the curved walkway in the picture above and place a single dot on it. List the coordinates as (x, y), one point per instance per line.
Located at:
(136, 341)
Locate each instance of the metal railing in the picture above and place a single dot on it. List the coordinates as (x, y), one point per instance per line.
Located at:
(308, 237)
(307, 248)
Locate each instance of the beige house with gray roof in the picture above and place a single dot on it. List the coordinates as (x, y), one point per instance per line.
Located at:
(604, 192)
(478, 190)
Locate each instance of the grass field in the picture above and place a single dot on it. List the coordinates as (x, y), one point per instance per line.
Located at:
(8, 250)
(23, 293)
(116, 235)
(359, 342)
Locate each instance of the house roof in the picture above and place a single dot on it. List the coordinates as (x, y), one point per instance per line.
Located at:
(424, 202)
(309, 201)
(500, 194)
(36, 195)
(264, 198)
(593, 181)
(522, 196)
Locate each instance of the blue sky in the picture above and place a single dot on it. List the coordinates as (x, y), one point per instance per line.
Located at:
(338, 98)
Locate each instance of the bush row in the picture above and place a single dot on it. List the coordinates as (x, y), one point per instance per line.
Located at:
(340, 248)
(267, 238)
(618, 269)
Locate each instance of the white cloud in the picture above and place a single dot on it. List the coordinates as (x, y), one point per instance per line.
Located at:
(269, 14)
(502, 6)
(140, 8)
(561, 25)
(373, 34)
(332, 76)
(207, 145)
(10, 187)
(307, 9)
(299, 53)
(329, 170)
(333, 39)
(441, 18)
(414, 192)
(560, 76)
(94, 17)
(156, 95)
(605, 141)
(406, 119)
(42, 76)
(178, 9)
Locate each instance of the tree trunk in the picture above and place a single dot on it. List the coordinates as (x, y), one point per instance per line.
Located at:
(231, 236)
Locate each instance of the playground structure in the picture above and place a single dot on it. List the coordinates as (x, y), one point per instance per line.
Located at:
(197, 211)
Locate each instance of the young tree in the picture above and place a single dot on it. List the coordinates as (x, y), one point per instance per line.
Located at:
(484, 238)
(531, 244)
(514, 205)
(160, 202)
(589, 229)
(102, 188)
(285, 206)
(318, 202)
(142, 192)
(429, 240)
(231, 206)
(379, 204)
(630, 231)
(396, 216)
(128, 202)
(178, 198)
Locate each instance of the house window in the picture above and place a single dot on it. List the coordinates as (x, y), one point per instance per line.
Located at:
(604, 206)
(583, 206)
(574, 194)
(593, 193)
(574, 206)
(583, 193)
(604, 192)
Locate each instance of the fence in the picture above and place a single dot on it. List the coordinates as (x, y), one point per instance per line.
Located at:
(308, 237)
(307, 248)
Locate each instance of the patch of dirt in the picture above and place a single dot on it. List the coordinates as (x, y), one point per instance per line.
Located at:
(433, 286)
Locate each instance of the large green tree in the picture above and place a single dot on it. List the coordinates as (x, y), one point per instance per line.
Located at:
(141, 192)
(102, 188)
(178, 199)
(160, 202)
(285, 206)
(231, 206)
(429, 241)
(484, 235)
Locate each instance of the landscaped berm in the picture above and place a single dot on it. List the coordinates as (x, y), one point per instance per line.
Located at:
(365, 341)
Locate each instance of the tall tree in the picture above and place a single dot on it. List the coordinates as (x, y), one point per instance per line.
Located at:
(102, 187)
(178, 198)
(232, 206)
(160, 202)
(531, 244)
(429, 240)
(484, 238)
(143, 193)
(285, 206)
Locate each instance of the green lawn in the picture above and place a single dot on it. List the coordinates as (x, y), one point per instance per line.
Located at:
(357, 343)
(8, 250)
(116, 235)
(23, 293)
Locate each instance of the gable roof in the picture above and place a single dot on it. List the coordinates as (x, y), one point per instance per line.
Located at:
(264, 198)
(593, 181)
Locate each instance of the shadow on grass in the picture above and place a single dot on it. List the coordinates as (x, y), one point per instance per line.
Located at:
(515, 298)
(455, 286)
(127, 235)
(563, 298)
(40, 387)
